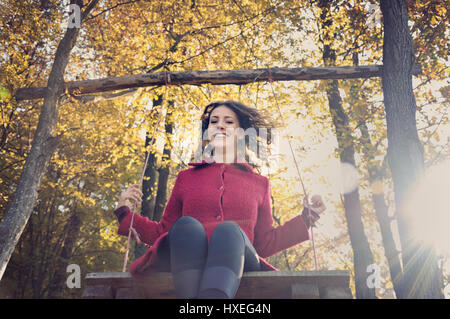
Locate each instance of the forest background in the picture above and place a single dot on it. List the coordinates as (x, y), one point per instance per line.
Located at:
(104, 136)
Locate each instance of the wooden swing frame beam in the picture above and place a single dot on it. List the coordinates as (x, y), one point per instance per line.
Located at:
(217, 77)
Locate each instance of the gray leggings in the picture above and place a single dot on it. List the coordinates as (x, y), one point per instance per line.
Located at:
(206, 271)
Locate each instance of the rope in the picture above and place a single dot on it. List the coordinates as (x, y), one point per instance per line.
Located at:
(131, 230)
(270, 79)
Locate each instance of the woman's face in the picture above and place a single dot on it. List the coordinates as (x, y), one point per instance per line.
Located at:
(222, 126)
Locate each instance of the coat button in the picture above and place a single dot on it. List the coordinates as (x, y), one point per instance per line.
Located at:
(218, 217)
(221, 187)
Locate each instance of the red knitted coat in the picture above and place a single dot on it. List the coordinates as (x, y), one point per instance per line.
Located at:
(212, 193)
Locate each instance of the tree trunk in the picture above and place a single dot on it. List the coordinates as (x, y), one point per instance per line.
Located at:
(161, 195)
(362, 255)
(43, 147)
(71, 231)
(405, 151)
(150, 176)
(381, 210)
(151, 172)
(375, 178)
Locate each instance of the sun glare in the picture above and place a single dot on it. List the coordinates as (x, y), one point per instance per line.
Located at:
(429, 205)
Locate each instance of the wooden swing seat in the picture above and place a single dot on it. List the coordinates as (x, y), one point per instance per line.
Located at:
(322, 284)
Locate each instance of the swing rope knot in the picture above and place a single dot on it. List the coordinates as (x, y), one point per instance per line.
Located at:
(269, 76)
(167, 78)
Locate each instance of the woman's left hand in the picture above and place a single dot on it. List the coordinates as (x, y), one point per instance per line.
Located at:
(317, 206)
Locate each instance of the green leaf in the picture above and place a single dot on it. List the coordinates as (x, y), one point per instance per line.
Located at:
(4, 93)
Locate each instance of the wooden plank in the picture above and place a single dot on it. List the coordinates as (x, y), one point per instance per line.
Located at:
(335, 292)
(304, 291)
(215, 77)
(130, 293)
(262, 285)
(276, 284)
(98, 292)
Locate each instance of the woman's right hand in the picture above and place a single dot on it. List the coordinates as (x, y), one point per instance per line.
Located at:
(130, 195)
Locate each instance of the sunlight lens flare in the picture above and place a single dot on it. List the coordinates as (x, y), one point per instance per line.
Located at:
(429, 206)
(349, 178)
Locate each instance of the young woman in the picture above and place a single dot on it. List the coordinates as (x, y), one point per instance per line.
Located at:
(218, 221)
